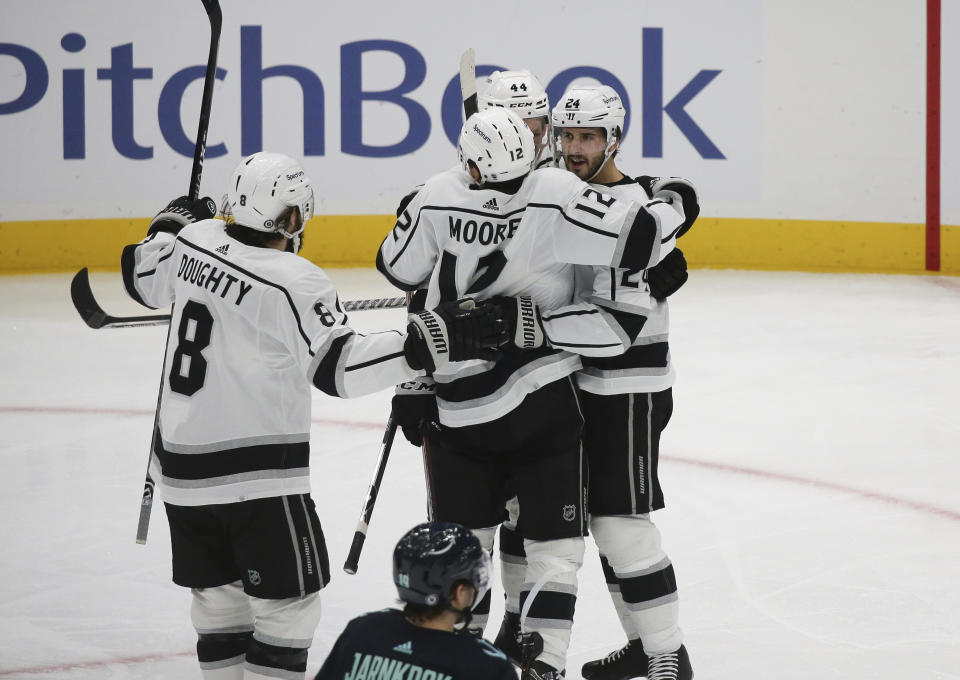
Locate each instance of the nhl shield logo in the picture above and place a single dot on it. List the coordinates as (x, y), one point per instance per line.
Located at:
(569, 512)
(253, 576)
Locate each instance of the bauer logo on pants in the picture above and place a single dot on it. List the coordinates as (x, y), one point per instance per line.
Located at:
(569, 512)
(253, 576)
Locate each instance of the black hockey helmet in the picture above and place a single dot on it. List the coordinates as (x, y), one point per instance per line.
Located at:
(432, 556)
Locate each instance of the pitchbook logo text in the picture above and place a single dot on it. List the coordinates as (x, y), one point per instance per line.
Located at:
(133, 136)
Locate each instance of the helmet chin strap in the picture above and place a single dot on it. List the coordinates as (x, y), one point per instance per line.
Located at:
(466, 615)
(606, 156)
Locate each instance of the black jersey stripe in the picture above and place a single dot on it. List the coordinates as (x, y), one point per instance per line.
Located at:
(325, 377)
(237, 461)
(637, 248)
(471, 211)
(128, 265)
(556, 343)
(260, 279)
(631, 323)
(409, 232)
(489, 382)
(654, 355)
(153, 271)
(550, 206)
(574, 312)
(372, 362)
(384, 269)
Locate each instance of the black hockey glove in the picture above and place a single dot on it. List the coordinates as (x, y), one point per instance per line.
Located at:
(453, 331)
(180, 212)
(672, 189)
(670, 273)
(415, 409)
(522, 316)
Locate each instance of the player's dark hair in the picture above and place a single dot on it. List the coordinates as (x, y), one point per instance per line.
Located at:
(618, 133)
(511, 186)
(419, 613)
(262, 239)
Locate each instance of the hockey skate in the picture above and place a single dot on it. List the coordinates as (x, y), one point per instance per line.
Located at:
(627, 662)
(670, 666)
(539, 670)
(520, 648)
(630, 662)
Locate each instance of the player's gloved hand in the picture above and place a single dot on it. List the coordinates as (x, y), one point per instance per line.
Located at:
(180, 212)
(670, 273)
(453, 331)
(672, 190)
(522, 315)
(415, 409)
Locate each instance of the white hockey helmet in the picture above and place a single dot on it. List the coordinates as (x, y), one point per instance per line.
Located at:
(520, 91)
(517, 90)
(590, 107)
(499, 143)
(264, 185)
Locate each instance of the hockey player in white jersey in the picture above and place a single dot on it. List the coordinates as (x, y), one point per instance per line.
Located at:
(497, 230)
(253, 327)
(627, 402)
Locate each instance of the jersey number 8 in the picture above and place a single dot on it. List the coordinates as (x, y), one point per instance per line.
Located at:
(188, 368)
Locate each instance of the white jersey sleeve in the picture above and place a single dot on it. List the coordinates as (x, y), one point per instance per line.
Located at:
(340, 361)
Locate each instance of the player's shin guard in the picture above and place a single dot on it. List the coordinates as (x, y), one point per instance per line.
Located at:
(224, 623)
(549, 594)
(513, 567)
(648, 586)
(283, 634)
(613, 586)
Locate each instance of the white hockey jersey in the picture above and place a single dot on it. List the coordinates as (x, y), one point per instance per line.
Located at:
(456, 240)
(252, 328)
(646, 365)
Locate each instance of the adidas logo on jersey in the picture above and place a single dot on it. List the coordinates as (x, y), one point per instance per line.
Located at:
(491, 204)
(223, 249)
(404, 648)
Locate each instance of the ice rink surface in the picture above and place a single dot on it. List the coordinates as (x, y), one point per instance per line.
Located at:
(810, 470)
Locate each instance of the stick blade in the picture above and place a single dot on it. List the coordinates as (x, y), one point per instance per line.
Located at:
(84, 302)
(468, 82)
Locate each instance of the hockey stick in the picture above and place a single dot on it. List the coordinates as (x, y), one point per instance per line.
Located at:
(360, 535)
(212, 8)
(468, 83)
(93, 315)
